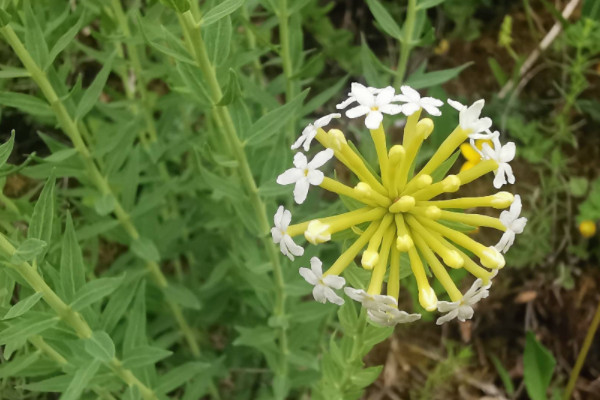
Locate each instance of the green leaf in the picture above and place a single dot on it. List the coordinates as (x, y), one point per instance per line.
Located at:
(145, 355)
(43, 213)
(81, 380)
(323, 97)
(93, 92)
(421, 80)
(222, 10)
(591, 9)
(182, 296)
(23, 306)
(180, 375)
(72, 268)
(180, 6)
(425, 4)
(145, 249)
(348, 316)
(232, 90)
(94, 291)
(100, 346)
(578, 186)
(6, 148)
(504, 375)
(218, 41)
(35, 40)
(64, 41)
(18, 364)
(385, 20)
(538, 367)
(271, 123)
(497, 71)
(27, 326)
(441, 171)
(192, 77)
(104, 204)
(26, 103)
(4, 18)
(28, 250)
(365, 377)
(11, 72)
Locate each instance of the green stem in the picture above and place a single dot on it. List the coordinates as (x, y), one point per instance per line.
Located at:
(585, 348)
(406, 47)
(71, 129)
(67, 314)
(44, 347)
(222, 117)
(286, 59)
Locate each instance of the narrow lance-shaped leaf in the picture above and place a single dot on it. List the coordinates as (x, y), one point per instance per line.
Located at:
(385, 20)
(6, 149)
(43, 213)
(64, 41)
(28, 250)
(94, 291)
(92, 93)
(72, 268)
(100, 346)
(35, 41)
(221, 10)
(80, 381)
(23, 306)
(538, 366)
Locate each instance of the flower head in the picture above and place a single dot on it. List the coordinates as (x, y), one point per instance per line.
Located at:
(305, 173)
(309, 133)
(413, 102)
(287, 246)
(513, 224)
(323, 285)
(372, 105)
(502, 154)
(402, 213)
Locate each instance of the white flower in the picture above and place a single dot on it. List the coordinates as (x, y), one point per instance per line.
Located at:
(469, 118)
(305, 173)
(373, 106)
(463, 309)
(323, 291)
(351, 98)
(502, 155)
(376, 302)
(514, 225)
(414, 101)
(287, 246)
(392, 317)
(309, 133)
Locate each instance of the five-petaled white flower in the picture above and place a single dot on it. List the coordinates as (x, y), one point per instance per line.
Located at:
(305, 173)
(377, 302)
(414, 101)
(463, 309)
(351, 98)
(371, 105)
(469, 120)
(392, 317)
(514, 225)
(502, 155)
(323, 286)
(309, 133)
(287, 246)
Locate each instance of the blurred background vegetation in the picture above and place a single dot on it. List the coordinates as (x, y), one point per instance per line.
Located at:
(142, 103)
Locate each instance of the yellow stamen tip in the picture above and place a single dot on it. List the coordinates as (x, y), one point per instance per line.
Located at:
(453, 259)
(492, 258)
(338, 140)
(317, 232)
(425, 127)
(396, 153)
(502, 200)
(423, 181)
(428, 299)
(451, 183)
(404, 243)
(403, 204)
(369, 259)
(433, 212)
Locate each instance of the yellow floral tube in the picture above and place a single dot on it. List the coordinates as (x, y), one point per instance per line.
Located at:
(499, 200)
(371, 255)
(472, 219)
(381, 266)
(344, 190)
(445, 150)
(351, 252)
(393, 286)
(299, 229)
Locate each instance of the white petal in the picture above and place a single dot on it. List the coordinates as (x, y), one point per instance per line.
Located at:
(276, 234)
(301, 190)
(319, 293)
(385, 96)
(290, 176)
(332, 296)
(507, 152)
(448, 317)
(465, 313)
(432, 110)
(401, 97)
(334, 281)
(481, 125)
(410, 93)
(506, 241)
(346, 103)
(447, 306)
(308, 276)
(391, 109)
(499, 179)
(286, 218)
(518, 225)
(431, 101)
(293, 248)
(515, 207)
(315, 177)
(363, 95)
(456, 105)
(300, 161)
(278, 217)
(410, 108)
(316, 267)
(373, 119)
(320, 158)
(357, 111)
(355, 294)
(324, 121)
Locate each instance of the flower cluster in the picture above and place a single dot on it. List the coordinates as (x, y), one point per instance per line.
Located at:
(401, 213)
